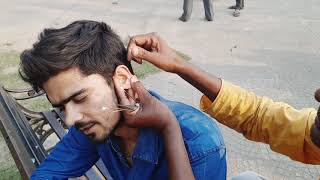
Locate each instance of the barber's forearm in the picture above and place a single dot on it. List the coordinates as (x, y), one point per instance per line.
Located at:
(208, 84)
(178, 162)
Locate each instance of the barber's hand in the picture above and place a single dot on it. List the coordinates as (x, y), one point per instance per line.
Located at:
(315, 130)
(151, 113)
(317, 95)
(152, 48)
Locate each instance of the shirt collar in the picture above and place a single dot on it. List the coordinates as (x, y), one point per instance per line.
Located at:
(148, 147)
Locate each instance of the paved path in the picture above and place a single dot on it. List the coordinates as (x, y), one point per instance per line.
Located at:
(272, 49)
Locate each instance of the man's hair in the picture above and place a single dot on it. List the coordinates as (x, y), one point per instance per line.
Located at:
(91, 46)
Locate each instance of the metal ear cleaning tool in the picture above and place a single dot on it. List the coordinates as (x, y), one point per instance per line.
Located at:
(130, 108)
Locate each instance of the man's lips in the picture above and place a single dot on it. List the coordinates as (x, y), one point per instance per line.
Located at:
(86, 127)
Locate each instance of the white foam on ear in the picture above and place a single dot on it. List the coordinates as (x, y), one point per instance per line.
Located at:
(104, 108)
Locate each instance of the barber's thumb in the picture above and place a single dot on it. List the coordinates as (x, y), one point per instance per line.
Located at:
(140, 53)
(138, 88)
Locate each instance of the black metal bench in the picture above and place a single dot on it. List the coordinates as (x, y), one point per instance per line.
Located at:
(31, 135)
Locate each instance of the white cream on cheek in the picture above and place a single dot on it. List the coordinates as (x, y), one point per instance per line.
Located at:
(104, 108)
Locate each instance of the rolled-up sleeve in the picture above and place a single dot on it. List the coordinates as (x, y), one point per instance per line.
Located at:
(284, 128)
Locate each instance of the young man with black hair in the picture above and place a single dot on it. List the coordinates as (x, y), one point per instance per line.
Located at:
(83, 69)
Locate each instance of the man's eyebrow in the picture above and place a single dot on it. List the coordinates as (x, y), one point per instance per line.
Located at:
(65, 101)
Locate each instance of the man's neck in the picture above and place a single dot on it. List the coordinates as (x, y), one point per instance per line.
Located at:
(126, 133)
(128, 137)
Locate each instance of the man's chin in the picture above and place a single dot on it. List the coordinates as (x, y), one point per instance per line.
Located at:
(95, 138)
(98, 134)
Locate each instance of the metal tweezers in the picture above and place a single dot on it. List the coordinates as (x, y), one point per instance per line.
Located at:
(129, 107)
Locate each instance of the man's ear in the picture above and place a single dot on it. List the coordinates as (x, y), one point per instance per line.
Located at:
(122, 74)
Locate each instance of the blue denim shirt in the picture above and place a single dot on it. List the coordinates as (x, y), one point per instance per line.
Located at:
(75, 153)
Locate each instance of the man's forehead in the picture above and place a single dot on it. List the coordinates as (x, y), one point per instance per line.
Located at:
(68, 83)
(63, 85)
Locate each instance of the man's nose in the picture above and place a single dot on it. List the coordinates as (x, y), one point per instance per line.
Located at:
(72, 115)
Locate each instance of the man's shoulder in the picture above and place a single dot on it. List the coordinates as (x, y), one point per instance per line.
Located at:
(200, 132)
(190, 118)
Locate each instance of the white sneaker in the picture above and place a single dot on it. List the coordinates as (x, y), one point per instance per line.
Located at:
(236, 13)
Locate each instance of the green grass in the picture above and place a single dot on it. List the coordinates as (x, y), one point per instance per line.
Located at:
(144, 69)
(10, 172)
(8, 59)
(9, 78)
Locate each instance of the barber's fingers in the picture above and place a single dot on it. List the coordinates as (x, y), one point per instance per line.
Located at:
(138, 88)
(139, 53)
(133, 54)
(131, 96)
(145, 40)
(317, 95)
(138, 40)
(149, 42)
(120, 92)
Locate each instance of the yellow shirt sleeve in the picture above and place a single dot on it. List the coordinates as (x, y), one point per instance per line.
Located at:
(284, 128)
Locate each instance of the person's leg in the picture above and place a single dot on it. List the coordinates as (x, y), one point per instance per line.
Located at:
(208, 9)
(187, 10)
(248, 175)
(239, 5)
